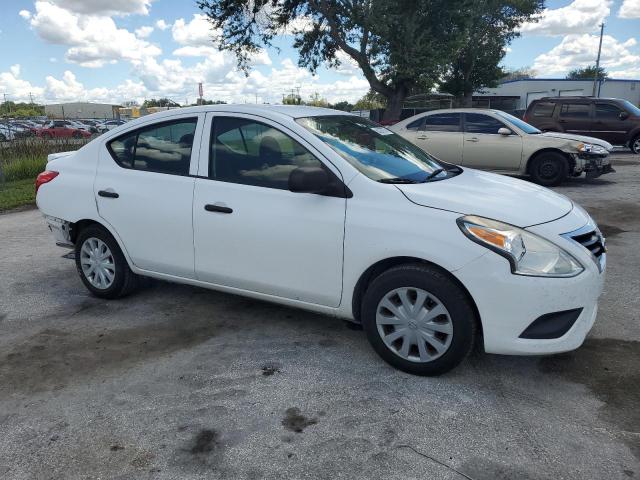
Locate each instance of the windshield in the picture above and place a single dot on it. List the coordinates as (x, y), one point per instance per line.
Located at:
(521, 124)
(631, 108)
(375, 151)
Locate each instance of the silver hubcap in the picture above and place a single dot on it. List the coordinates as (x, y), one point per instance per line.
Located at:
(97, 263)
(414, 324)
(636, 145)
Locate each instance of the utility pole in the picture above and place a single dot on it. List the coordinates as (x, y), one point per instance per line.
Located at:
(30, 98)
(595, 78)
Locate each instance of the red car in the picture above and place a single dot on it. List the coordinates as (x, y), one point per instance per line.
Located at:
(61, 129)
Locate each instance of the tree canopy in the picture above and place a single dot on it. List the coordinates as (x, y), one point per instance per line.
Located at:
(587, 73)
(489, 27)
(159, 102)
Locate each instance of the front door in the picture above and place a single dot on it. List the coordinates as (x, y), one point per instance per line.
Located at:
(251, 232)
(611, 123)
(487, 149)
(144, 191)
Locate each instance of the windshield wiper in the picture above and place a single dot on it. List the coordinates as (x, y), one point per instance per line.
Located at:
(396, 180)
(433, 174)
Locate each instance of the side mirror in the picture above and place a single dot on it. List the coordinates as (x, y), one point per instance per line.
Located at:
(623, 115)
(308, 180)
(504, 131)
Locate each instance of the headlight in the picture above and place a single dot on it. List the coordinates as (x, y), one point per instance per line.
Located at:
(590, 148)
(527, 253)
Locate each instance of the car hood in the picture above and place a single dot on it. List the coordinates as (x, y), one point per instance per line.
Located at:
(502, 198)
(578, 138)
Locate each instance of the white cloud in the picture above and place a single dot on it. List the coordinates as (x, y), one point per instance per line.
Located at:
(580, 16)
(197, 32)
(581, 51)
(630, 9)
(102, 7)
(16, 88)
(143, 32)
(348, 66)
(162, 25)
(92, 40)
(26, 14)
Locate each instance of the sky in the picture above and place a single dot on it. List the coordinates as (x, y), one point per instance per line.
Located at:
(129, 50)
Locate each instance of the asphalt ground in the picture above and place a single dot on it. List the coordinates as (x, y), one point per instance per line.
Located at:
(186, 383)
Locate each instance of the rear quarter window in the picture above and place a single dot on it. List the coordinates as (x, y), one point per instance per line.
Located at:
(543, 109)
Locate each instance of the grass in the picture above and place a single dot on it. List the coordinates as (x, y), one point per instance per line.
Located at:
(17, 193)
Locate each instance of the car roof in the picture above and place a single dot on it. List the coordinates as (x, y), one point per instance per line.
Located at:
(562, 99)
(291, 111)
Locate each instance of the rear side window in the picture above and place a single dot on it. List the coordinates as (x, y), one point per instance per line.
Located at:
(253, 153)
(480, 123)
(574, 110)
(607, 111)
(543, 109)
(163, 148)
(443, 122)
(416, 124)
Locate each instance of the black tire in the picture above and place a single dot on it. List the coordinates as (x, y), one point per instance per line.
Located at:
(453, 298)
(76, 135)
(124, 281)
(634, 145)
(549, 169)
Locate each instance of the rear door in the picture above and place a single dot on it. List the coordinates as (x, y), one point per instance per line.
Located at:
(251, 232)
(485, 148)
(609, 125)
(144, 191)
(575, 117)
(441, 135)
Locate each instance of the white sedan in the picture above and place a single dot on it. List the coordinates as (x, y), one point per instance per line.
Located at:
(326, 211)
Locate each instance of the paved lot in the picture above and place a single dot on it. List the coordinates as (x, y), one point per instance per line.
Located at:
(181, 382)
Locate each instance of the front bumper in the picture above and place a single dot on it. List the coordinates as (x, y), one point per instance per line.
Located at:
(593, 165)
(509, 303)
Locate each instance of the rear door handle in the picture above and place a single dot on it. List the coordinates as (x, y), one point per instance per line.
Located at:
(108, 194)
(217, 208)
(473, 139)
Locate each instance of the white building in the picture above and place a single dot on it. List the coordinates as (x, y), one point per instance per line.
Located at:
(82, 110)
(526, 90)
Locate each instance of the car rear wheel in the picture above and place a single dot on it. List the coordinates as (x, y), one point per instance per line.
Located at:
(549, 169)
(635, 144)
(418, 320)
(77, 135)
(101, 264)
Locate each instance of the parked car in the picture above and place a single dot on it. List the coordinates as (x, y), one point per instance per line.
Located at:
(612, 119)
(6, 134)
(326, 211)
(61, 129)
(109, 125)
(496, 141)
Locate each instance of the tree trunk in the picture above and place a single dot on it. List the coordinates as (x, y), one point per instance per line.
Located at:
(467, 99)
(395, 101)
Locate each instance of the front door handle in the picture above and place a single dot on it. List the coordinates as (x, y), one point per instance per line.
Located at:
(422, 137)
(108, 194)
(217, 208)
(472, 139)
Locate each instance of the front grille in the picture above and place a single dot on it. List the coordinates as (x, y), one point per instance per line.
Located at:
(592, 241)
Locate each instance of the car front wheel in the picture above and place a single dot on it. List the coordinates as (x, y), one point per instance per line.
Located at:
(635, 145)
(418, 320)
(549, 169)
(102, 265)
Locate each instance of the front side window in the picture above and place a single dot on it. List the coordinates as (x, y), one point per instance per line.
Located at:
(416, 124)
(521, 124)
(575, 110)
(480, 123)
(375, 151)
(607, 111)
(443, 122)
(162, 148)
(253, 153)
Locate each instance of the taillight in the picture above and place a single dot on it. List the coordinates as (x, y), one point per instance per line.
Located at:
(45, 177)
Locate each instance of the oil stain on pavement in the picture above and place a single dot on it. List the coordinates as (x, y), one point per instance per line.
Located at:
(295, 421)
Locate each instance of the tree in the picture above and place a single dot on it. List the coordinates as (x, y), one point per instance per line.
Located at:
(208, 102)
(519, 74)
(20, 109)
(371, 101)
(317, 101)
(343, 105)
(489, 27)
(587, 73)
(161, 102)
(401, 46)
